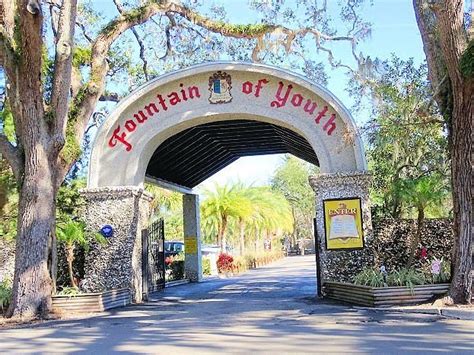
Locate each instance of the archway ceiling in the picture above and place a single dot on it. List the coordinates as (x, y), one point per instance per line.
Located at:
(191, 156)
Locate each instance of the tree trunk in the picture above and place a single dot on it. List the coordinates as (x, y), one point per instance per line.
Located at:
(70, 260)
(242, 236)
(445, 42)
(221, 235)
(461, 175)
(417, 237)
(32, 285)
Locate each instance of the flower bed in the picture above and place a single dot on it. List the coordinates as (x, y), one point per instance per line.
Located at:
(407, 285)
(91, 302)
(383, 296)
(228, 264)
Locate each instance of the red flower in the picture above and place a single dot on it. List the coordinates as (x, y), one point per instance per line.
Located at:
(423, 253)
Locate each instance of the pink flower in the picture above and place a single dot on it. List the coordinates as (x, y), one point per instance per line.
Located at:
(436, 267)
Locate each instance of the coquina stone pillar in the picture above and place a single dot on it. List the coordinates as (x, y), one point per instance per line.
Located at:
(192, 237)
(343, 265)
(117, 263)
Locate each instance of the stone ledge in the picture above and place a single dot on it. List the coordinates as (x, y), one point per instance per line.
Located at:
(325, 179)
(116, 192)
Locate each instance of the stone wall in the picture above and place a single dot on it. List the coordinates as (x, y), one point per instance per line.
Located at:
(392, 240)
(7, 259)
(389, 246)
(117, 263)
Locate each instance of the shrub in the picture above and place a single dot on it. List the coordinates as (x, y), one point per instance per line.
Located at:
(408, 277)
(175, 265)
(239, 264)
(251, 261)
(206, 266)
(5, 295)
(177, 270)
(225, 263)
(369, 277)
(69, 291)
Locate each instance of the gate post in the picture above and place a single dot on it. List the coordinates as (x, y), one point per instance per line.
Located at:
(192, 237)
(118, 262)
(343, 265)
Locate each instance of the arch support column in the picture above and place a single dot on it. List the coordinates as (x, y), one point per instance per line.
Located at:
(343, 265)
(192, 237)
(118, 262)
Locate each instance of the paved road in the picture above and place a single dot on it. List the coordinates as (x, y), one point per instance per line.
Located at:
(270, 310)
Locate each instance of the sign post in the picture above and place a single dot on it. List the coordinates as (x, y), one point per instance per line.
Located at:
(318, 260)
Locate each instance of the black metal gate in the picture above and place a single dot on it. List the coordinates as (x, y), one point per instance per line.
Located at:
(153, 257)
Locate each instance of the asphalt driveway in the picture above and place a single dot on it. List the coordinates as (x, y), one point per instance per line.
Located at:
(269, 310)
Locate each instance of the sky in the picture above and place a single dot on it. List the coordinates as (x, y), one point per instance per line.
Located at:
(394, 30)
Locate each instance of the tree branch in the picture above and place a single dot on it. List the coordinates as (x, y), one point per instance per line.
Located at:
(426, 21)
(452, 34)
(139, 41)
(12, 155)
(62, 70)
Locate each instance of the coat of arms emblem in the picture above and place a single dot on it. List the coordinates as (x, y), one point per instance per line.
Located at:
(220, 84)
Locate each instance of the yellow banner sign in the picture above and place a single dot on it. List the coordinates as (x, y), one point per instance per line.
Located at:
(190, 245)
(343, 224)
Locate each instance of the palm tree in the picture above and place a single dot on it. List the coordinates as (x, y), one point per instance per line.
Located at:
(72, 234)
(271, 213)
(420, 193)
(219, 205)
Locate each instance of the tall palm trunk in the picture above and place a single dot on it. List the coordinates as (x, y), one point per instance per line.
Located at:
(70, 260)
(221, 239)
(242, 236)
(415, 240)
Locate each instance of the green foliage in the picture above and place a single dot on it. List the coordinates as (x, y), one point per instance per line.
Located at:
(423, 191)
(72, 233)
(407, 141)
(8, 201)
(5, 295)
(7, 123)
(69, 291)
(291, 180)
(168, 205)
(81, 56)
(258, 211)
(369, 277)
(206, 266)
(408, 277)
(466, 63)
(69, 200)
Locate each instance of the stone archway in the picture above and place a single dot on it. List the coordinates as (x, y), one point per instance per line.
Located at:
(174, 103)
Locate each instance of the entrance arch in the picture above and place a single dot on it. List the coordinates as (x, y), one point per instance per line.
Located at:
(175, 102)
(179, 129)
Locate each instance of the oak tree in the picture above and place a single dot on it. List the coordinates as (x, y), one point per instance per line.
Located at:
(53, 87)
(447, 35)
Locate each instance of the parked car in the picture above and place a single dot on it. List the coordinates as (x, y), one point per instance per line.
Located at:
(173, 248)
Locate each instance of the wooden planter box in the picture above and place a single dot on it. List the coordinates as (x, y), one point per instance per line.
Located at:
(382, 296)
(92, 302)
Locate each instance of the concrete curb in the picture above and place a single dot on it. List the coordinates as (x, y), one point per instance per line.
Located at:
(456, 313)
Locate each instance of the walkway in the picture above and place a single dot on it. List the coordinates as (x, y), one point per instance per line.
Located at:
(269, 310)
